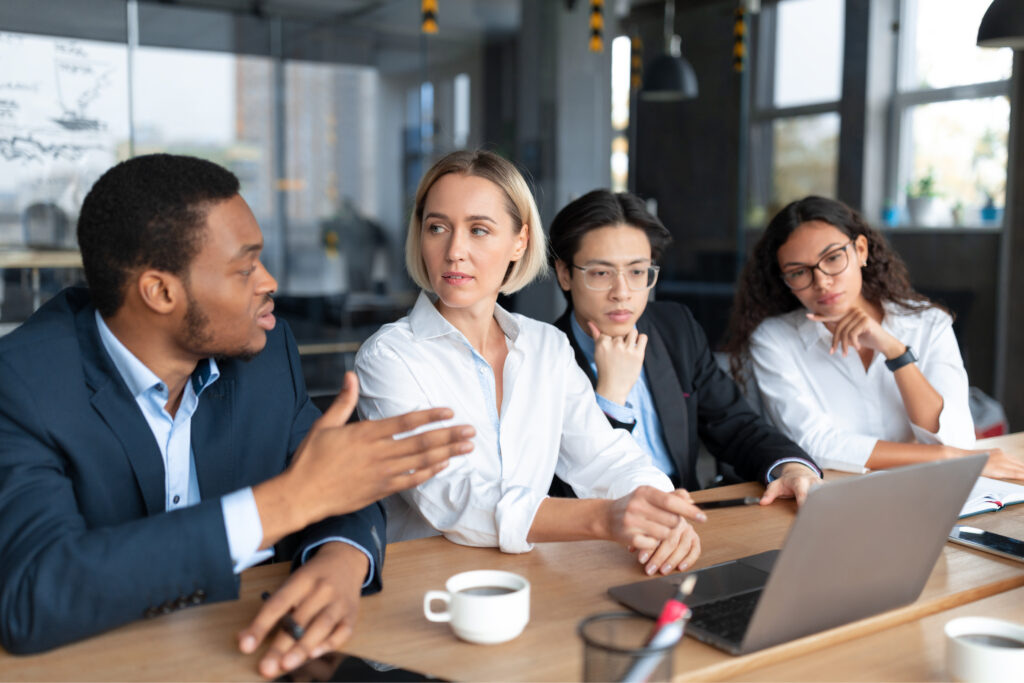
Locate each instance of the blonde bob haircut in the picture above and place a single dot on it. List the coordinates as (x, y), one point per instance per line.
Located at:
(522, 211)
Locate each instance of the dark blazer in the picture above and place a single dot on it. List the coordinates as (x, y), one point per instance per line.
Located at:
(85, 543)
(694, 399)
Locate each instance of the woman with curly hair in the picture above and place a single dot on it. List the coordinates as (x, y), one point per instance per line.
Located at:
(852, 364)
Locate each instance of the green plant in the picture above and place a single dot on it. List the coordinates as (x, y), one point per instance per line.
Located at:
(923, 186)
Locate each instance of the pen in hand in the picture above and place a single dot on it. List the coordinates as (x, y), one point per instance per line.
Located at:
(289, 624)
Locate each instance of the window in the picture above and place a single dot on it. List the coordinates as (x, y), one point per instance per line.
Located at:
(948, 89)
(794, 139)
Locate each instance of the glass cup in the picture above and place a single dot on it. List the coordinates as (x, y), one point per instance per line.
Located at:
(614, 649)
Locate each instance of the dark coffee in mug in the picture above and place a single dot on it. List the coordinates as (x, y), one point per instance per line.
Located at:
(991, 640)
(487, 590)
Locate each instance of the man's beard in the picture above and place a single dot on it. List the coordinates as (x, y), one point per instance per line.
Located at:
(199, 339)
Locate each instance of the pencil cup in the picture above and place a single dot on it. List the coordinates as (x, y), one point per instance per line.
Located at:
(614, 649)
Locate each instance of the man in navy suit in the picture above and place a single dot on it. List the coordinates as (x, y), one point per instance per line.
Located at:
(156, 437)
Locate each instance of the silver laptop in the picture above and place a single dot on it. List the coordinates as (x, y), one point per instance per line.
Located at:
(858, 547)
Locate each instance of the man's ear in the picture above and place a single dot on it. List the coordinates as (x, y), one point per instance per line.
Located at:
(564, 276)
(160, 291)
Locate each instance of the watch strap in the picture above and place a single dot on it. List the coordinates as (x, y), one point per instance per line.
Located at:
(905, 358)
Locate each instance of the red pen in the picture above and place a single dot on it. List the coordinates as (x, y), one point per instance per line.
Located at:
(675, 609)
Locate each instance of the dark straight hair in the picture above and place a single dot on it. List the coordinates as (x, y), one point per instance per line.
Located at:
(600, 209)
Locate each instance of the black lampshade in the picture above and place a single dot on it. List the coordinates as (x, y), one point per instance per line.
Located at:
(669, 79)
(1003, 25)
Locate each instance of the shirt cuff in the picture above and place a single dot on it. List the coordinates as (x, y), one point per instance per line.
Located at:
(770, 476)
(370, 572)
(619, 413)
(244, 529)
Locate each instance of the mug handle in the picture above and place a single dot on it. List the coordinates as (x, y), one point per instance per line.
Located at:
(431, 615)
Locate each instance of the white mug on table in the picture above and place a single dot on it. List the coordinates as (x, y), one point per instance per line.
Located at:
(483, 606)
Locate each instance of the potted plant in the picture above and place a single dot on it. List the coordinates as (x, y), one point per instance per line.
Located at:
(925, 203)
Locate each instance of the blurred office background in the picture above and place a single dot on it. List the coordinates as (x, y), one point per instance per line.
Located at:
(330, 110)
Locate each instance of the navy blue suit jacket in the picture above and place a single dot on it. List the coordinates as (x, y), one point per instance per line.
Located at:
(85, 542)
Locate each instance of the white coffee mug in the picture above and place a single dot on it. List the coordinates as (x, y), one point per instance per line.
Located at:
(483, 606)
(984, 649)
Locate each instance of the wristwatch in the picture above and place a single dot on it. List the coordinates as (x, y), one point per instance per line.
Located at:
(905, 358)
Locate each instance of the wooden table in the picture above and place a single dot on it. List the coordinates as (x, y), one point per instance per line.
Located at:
(569, 581)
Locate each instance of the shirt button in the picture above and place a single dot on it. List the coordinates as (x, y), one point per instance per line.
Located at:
(176, 499)
(482, 371)
(159, 387)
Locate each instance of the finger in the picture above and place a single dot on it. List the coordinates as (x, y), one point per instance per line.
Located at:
(426, 449)
(319, 628)
(818, 318)
(641, 344)
(338, 413)
(685, 553)
(674, 503)
(414, 477)
(276, 606)
(774, 490)
(663, 552)
(801, 489)
(594, 331)
(271, 665)
(630, 338)
(693, 555)
(400, 424)
(342, 632)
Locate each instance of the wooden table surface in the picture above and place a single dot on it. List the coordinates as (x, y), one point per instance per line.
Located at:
(568, 580)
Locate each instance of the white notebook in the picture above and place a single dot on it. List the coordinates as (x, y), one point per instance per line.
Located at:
(989, 495)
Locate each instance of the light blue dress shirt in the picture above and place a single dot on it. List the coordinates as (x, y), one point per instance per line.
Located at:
(174, 439)
(639, 408)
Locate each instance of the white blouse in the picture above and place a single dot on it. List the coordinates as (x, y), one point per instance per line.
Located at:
(550, 424)
(835, 410)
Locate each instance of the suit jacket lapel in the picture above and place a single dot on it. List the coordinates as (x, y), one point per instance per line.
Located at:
(115, 404)
(212, 437)
(668, 395)
(565, 325)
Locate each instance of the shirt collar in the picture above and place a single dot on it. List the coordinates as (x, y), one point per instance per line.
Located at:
(427, 322)
(584, 340)
(140, 378)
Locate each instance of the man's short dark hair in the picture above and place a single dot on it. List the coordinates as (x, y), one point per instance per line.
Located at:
(599, 209)
(146, 212)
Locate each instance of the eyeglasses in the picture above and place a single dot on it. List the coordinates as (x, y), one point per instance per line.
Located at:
(832, 263)
(601, 278)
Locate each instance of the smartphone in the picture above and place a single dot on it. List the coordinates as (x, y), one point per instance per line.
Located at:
(997, 544)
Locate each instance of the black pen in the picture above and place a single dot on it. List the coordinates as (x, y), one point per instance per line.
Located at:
(731, 502)
(288, 623)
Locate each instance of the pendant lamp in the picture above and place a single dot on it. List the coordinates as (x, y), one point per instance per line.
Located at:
(669, 78)
(1003, 25)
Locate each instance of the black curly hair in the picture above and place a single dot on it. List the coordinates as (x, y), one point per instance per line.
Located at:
(146, 212)
(599, 209)
(761, 293)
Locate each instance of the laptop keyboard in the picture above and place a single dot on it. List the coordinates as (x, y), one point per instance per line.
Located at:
(727, 618)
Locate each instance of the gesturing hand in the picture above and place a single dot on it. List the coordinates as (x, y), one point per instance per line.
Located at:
(855, 329)
(619, 362)
(323, 598)
(342, 467)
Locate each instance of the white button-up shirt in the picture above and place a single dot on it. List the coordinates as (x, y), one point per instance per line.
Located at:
(549, 423)
(835, 410)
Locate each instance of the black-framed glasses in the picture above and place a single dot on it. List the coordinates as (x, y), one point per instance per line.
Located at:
(601, 278)
(832, 263)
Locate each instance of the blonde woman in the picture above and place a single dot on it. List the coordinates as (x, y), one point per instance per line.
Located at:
(475, 233)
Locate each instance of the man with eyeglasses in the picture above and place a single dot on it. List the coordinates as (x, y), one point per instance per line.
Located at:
(652, 369)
